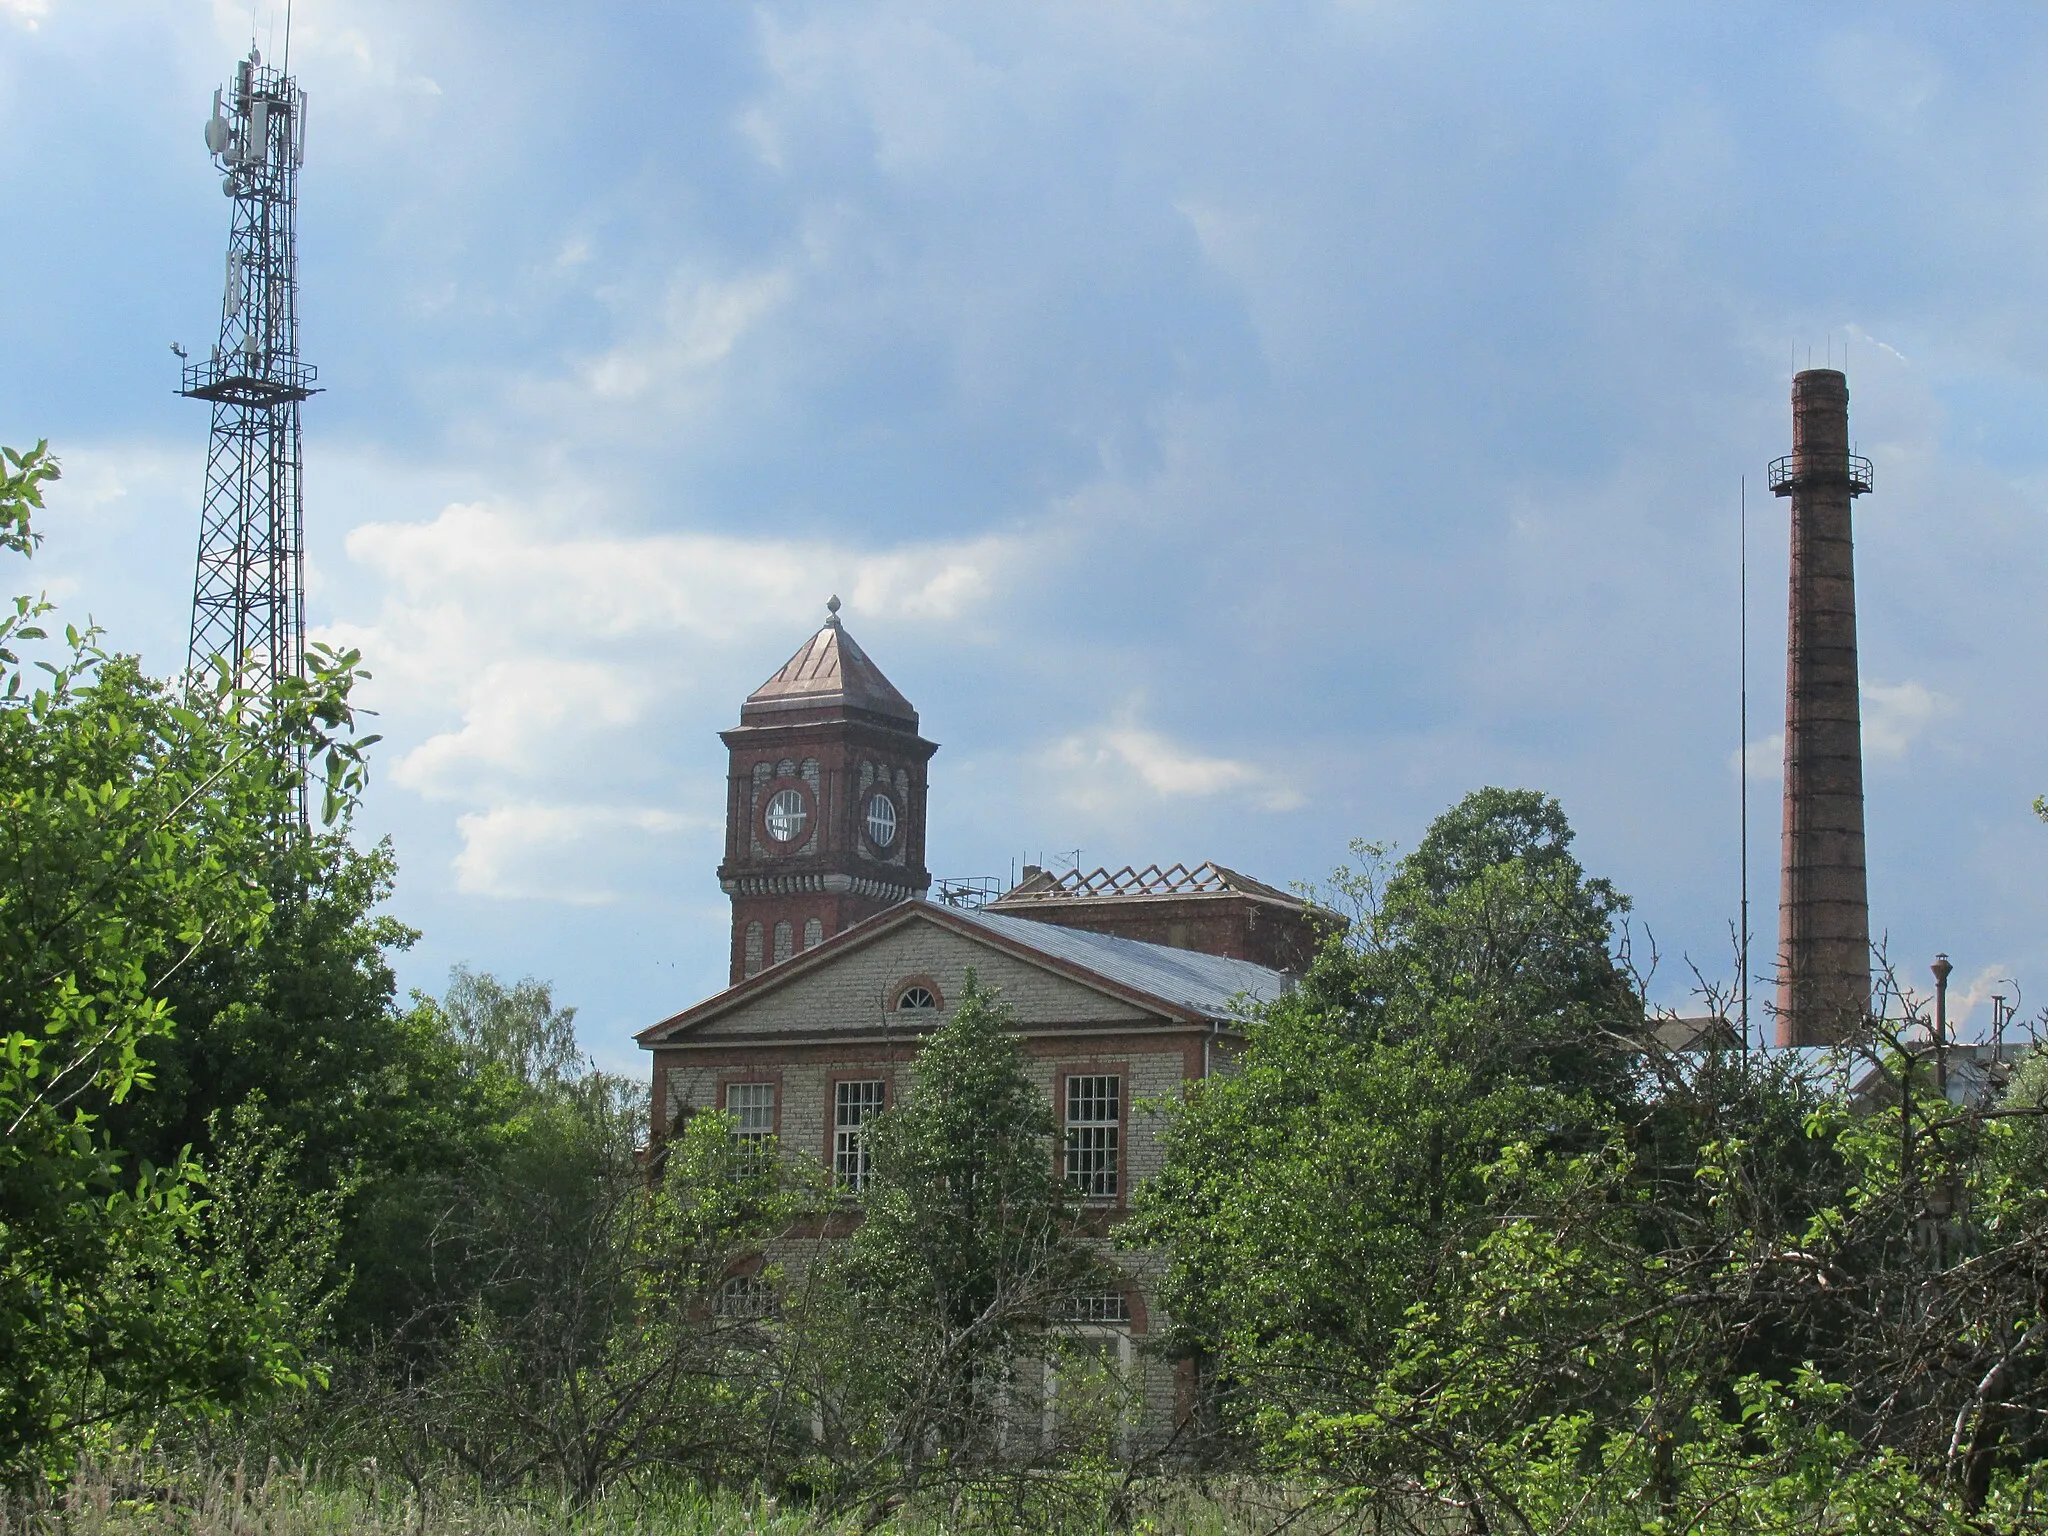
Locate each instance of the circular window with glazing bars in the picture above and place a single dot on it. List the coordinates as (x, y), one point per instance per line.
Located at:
(787, 815)
(881, 821)
(917, 998)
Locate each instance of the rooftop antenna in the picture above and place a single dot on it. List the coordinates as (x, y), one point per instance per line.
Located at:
(249, 590)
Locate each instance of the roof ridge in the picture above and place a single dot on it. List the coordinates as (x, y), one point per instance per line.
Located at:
(1205, 879)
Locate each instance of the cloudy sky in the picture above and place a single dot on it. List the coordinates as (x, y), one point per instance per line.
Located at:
(1239, 429)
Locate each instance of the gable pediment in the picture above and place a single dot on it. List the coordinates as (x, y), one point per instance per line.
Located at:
(847, 988)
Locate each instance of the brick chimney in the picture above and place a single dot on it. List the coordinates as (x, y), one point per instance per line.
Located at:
(1824, 898)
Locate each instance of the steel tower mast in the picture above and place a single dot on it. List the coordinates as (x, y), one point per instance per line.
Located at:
(248, 599)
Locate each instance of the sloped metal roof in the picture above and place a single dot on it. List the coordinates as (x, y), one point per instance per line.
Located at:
(830, 669)
(1206, 984)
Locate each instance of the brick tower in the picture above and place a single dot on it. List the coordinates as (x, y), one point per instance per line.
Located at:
(825, 802)
(1824, 900)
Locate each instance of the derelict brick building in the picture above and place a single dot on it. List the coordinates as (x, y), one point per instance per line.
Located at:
(1125, 986)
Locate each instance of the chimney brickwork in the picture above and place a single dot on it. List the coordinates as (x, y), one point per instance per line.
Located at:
(1824, 901)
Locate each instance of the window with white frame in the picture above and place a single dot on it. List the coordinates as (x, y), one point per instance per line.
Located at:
(752, 1107)
(1094, 1134)
(854, 1104)
(745, 1296)
(1098, 1307)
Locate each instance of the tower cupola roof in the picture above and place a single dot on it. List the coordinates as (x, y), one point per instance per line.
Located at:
(831, 673)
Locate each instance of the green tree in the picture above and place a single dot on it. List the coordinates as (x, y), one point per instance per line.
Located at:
(592, 1335)
(1314, 1195)
(135, 816)
(516, 1030)
(303, 1018)
(953, 1287)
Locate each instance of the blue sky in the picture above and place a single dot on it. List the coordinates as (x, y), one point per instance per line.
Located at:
(1237, 429)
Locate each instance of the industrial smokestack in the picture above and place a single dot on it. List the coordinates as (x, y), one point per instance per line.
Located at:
(1824, 897)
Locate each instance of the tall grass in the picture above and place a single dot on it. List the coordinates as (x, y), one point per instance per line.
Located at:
(157, 1494)
(134, 1497)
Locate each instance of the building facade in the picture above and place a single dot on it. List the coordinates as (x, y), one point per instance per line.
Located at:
(1124, 987)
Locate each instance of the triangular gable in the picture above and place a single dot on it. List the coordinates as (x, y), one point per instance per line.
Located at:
(851, 977)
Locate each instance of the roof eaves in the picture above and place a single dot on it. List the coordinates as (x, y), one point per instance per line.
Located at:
(860, 934)
(873, 928)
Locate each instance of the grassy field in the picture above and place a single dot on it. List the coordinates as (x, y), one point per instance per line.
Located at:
(296, 1502)
(138, 1497)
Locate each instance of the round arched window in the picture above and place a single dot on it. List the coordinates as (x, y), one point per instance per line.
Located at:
(881, 821)
(916, 1000)
(787, 815)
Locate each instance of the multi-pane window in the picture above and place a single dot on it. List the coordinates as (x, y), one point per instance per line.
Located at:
(1099, 1307)
(854, 1104)
(745, 1296)
(916, 1000)
(752, 1107)
(881, 821)
(1094, 1134)
(787, 815)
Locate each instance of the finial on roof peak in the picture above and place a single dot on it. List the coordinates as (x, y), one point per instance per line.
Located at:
(832, 610)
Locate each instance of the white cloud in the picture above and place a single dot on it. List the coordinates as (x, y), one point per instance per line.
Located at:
(1114, 764)
(510, 711)
(97, 476)
(531, 668)
(700, 322)
(1965, 997)
(1765, 759)
(27, 14)
(556, 852)
(1896, 715)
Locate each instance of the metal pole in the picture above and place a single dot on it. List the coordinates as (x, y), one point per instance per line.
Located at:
(1742, 754)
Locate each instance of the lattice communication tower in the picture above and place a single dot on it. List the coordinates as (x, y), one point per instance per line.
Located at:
(249, 596)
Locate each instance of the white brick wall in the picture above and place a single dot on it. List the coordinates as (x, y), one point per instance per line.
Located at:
(852, 993)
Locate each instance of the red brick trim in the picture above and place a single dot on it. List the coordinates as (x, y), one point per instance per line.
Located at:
(896, 994)
(1134, 1297)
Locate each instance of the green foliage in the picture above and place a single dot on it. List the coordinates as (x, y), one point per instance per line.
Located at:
(589, 1340)
(22, 478)
(950, 1292)
(1312, 1196)
(966, 1200)
(140, 822)
(381, 1097)
(517, 1030)
(1462, 1250)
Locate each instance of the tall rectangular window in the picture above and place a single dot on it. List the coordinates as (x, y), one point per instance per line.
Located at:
(752, 1107)
(1094, 1131)
(854, 1104)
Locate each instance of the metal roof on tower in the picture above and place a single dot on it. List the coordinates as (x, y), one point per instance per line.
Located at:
(830, 672)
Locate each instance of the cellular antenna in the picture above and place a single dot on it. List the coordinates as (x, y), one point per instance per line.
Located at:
(249, 591)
